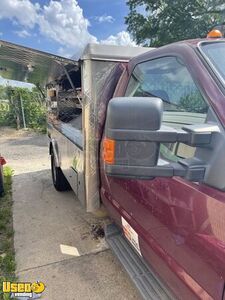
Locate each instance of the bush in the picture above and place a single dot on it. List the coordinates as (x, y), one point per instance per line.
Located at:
(33, 105)
(193, 103)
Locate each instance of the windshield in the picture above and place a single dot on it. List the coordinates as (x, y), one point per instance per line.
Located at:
(215, 52)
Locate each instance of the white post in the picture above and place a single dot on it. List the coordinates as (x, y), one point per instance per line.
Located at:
(23, 115)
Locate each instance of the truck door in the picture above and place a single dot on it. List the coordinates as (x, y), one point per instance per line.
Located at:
(180, 224)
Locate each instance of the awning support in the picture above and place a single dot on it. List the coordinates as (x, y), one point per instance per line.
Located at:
(72, 85)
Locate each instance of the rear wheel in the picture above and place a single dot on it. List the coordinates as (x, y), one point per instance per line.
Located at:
(59, 180)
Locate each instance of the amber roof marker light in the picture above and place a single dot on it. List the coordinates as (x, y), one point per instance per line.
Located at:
(214, 34)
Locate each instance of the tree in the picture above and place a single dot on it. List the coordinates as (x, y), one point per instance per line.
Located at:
(159, 22)
(193, 103)
(33, 107)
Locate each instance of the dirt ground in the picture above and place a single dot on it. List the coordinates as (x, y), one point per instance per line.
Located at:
(53, 239)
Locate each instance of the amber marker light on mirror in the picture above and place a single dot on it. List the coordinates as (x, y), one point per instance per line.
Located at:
(109, 151)
(214, 34)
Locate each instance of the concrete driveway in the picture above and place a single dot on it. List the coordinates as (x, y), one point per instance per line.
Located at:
(53, 240)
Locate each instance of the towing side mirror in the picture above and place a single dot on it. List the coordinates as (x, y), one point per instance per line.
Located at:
(128, 122)
(133, 133)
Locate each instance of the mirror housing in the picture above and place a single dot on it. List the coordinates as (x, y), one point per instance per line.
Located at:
(133, 133)
(128, 122)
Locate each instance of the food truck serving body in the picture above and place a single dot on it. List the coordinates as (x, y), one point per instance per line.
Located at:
(141, 131)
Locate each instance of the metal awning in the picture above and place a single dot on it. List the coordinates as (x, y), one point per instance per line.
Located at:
(33, 66)
(30, 65)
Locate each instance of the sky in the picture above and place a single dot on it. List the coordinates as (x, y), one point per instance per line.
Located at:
(64, 27)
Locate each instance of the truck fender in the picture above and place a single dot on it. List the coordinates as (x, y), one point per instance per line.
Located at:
(53, 148)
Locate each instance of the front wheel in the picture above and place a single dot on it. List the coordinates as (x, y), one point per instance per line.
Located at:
(59, 180)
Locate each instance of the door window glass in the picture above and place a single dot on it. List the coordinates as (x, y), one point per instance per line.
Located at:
(169, 79)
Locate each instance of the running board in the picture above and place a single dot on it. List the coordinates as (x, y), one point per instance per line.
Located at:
(142, 276)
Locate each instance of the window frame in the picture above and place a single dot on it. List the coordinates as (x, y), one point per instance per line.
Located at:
(210, 66)
(178, 57)
(133, 66)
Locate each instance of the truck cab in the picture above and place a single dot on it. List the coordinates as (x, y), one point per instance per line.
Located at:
(173, 217)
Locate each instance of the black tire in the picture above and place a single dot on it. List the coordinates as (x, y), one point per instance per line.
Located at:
(59, 180)
(1, 183)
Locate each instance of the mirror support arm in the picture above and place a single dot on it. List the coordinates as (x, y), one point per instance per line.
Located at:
(190, 169)
(193, 135)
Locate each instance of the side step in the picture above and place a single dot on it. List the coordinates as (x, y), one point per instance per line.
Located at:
(143, 277)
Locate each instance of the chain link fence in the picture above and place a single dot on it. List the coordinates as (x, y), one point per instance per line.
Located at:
(22, 108)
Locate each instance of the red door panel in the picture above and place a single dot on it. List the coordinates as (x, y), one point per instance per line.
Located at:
(181, 231)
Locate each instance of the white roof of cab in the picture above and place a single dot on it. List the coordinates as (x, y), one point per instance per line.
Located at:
(112, 52)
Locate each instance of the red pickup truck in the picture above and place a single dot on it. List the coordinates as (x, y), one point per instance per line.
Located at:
(145, 137)
(164, 186)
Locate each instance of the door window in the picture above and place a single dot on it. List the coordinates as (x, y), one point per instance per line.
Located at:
(169, 79)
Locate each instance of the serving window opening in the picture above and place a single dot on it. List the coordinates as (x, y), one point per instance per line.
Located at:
(65, 98)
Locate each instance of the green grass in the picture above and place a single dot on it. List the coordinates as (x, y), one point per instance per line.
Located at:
(7, 254)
